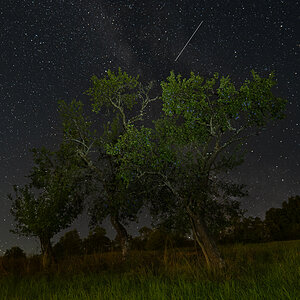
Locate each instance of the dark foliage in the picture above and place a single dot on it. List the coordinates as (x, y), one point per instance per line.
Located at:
(68, 245)
(284, 223)
(14, 253)
(96, 241)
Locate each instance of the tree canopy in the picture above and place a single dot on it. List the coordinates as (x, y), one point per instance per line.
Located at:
(199, 138)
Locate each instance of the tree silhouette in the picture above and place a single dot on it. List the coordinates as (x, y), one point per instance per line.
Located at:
(96, 241)
(68, 245)
(15, 253)
(284, 223)
(246, 230)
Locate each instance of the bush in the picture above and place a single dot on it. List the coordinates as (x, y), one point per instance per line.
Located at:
(15, 253)
(96, 241)
(68, 245)
(14, 261)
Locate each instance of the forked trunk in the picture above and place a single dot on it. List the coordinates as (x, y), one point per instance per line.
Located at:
(123, 235)
(47, 252)
(208, 246)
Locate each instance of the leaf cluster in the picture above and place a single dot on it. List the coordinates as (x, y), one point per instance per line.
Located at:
(54, 197)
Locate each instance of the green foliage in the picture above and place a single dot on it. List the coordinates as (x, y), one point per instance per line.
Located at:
(199, 138)
(118, 88)
(75, 122)
(78, 134)
(53, 199)
(137, 140)
(202, 120)
(211, 107)
(122, 101)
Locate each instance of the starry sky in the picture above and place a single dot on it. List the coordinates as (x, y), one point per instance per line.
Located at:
(50, 49)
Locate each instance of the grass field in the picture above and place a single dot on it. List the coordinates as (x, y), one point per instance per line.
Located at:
(254, 271)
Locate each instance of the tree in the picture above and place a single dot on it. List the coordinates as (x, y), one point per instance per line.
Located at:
(15, 253)
(246, 230)
(14, 260)
(52, 200)
(292, 209)
(69, 244)
(284, 223)
(122, 100)
(197, 141)
(96, 241)
(276, 222)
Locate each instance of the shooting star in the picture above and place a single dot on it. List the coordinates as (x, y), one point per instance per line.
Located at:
(188, 41)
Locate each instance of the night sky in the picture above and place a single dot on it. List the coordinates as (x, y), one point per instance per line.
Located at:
(50, 49)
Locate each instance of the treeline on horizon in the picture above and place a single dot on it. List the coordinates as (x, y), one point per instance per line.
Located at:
(280, 224)
(113, 163)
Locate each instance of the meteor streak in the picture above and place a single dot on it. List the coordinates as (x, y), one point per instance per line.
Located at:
(188, 41)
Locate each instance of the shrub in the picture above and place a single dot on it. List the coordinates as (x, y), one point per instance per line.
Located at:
(15, 253)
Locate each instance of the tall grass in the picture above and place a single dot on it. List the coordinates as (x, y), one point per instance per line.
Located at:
(256, 271)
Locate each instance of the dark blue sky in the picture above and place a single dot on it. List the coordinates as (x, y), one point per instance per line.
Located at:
(50, 49)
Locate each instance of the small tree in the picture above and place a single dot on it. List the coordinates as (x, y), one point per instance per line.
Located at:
(96, 241)
(69, 244)
(53, 199)
(15, 253)
(199, 139)
(14, 260)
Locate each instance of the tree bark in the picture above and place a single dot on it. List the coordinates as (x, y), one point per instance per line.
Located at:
(209, 248)
(122, 233)
(47, 252)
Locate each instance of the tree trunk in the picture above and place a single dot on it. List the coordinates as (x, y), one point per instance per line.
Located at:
(47, 252)
(206, 242)
(122, 233)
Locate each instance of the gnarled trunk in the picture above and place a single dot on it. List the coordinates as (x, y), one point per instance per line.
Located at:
(123, 235)
(209, 248)
(47, 252)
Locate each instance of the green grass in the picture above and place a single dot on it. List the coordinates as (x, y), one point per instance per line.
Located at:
(256, 271)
